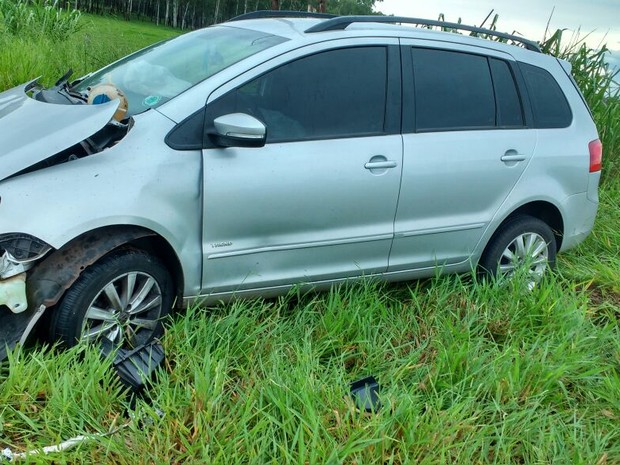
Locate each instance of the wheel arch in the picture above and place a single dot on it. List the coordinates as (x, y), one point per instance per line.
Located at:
(544, 211)
(50, 278)
(540, 209)
(158, 246)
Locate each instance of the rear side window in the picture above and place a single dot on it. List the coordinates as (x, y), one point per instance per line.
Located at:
(549, 105)
(509, 111)
(463, 91)
(452, 91)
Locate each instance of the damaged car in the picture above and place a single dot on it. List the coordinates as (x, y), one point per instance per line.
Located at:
(282, 149)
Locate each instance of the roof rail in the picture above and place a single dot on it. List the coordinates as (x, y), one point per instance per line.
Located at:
(280, 14)
(341, 22)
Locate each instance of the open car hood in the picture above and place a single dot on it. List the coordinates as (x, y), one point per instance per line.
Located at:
(32, 131)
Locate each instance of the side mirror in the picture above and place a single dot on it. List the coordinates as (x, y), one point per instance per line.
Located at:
(238, 130)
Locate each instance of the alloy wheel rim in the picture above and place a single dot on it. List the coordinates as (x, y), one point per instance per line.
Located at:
(528, 251)
(126, 310)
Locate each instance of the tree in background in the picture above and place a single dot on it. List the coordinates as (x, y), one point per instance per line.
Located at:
(340, 7)
(351, 7)
(193, 14)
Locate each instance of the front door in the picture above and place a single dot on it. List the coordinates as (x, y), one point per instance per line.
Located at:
(318, 201)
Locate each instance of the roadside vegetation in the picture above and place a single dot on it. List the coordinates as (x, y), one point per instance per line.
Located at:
(470, 372)
(93, 42)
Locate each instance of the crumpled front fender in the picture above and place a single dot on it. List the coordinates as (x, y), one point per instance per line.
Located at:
(32, 131)
(49, 280)
(53, 276)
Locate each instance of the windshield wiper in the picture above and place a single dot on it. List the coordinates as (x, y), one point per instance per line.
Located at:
(60, 92)
(64, 79)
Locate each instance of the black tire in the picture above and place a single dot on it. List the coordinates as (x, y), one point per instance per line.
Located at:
(515, 237)
(98, 301)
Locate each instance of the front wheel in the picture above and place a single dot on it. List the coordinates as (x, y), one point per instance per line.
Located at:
(523, 245)
(123, 297)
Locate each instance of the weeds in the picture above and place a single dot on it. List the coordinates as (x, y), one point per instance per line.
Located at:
(597, 83)
(39, 19)
(98, 41)
(470, 373)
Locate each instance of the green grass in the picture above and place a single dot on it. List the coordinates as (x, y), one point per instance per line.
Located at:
(99, 41)
(470, 372)
(596, 262)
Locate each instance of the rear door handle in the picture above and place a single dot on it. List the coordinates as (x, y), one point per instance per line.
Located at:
(377, 165)
(512, 156)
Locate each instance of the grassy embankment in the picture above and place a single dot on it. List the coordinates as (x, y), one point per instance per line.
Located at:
(97, 42)
(471, 373)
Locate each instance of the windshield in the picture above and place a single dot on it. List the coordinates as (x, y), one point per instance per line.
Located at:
(162, 71)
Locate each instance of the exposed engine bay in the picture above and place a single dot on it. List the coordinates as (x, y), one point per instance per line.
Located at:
(62, 93)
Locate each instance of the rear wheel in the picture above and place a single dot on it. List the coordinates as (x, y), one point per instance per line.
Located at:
(123, 297)
(524, 245)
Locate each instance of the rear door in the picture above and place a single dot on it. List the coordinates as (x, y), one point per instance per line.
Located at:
(317, 202)
(466, 144)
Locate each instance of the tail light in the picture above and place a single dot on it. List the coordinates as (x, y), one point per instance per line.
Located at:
(596, 155)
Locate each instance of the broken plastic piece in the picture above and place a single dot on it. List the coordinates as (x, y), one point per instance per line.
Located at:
(13, 293)
(63, 446)
(365, 394)
(105, 93)
(9, 267)
(135, 367)
(23, 248)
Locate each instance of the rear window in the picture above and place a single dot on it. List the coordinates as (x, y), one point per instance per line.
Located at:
(549, 105)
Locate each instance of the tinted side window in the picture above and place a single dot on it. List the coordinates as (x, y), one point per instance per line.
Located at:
(549, 105)
(333, 94)
(452, 90)
(509, 111)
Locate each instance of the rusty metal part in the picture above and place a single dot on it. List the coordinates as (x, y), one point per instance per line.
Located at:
(54, 275)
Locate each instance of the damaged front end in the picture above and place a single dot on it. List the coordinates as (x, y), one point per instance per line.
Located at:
(48, 274)
(42, 128)
(37, 133)
(18, 254)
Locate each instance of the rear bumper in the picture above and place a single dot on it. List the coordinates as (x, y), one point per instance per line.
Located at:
(579, 215)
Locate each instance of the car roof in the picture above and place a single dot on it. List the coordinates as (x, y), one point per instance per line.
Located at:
(328, 27)
(291, 28)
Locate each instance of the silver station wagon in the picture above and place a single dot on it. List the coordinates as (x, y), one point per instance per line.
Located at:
(282, 149)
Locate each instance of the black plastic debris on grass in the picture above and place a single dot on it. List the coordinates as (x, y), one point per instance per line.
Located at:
(136, 367)
(365, 394)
